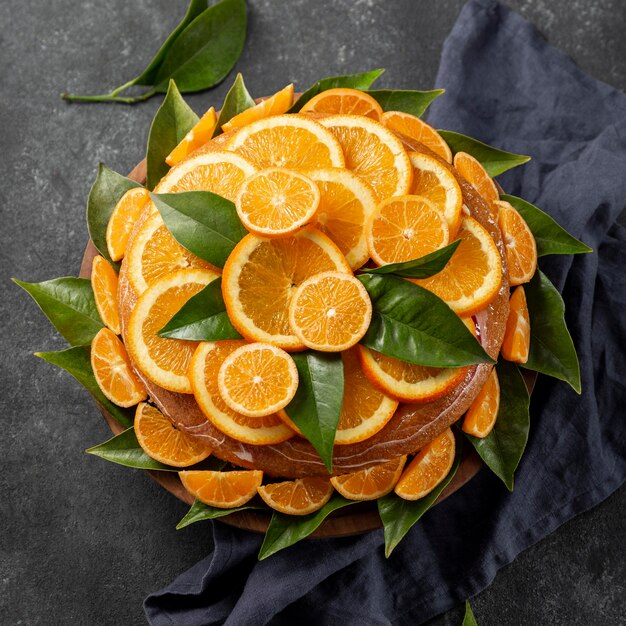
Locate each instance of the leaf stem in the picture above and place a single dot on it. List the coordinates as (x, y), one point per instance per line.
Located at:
(110, 97)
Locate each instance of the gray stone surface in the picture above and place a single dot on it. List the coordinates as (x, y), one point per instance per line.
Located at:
(83, 541)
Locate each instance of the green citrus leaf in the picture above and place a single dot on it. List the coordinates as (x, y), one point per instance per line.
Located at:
(237, 100)
(352, 81)
(552, 350)
(285, 530)
(69, 304)
(551, 238)
(502, 448)
(425, 266)
(316, 407)
(202, 222)
(398, 515)
(468, 618)
(105, 193)
(200, 512)
(495, 161)
(77, 362)
(202, 318)
(412, 324)
(413, 102)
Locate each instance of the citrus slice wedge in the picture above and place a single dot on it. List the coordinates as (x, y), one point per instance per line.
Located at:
(292, 141)
(481, 416)
(200, 134)
(472, 277)
(428, 468)
(371, 483)
(203, 373)
(516, 344)
(277, 104)
(405, 228)
(223, 490)
(330, 312)
(344, 101)
(164, 361)
(373, 153)
(122, 220)
(297, 497)
(261, 275)
(104, 285)
(113, 370)
(257, 379)
(476, 175)
(162, 441)
(415, 128)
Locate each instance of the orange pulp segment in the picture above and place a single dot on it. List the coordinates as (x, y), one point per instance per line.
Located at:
(122, 220)
(415, 128)
(344, 101)
(297, 497)
(481, 416)
(277, 104)
(224, 490)
(476, 175)
(104, 285)
(371, 483)
(200, 134)
(516, 344)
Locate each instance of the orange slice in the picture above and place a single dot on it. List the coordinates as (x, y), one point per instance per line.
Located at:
(203, 373)
(516, 344)
(162, 441)
(481, 416)
(365, 409)
(373, 153)
(261, 275)
(344, 101)
(436, 183)
(292, 141)
(224, 490)
(372, 483)
(275, 202)
(346, 204)
(297, 497)
(113, 370)
(257, 379)
(471, 278)
(122, 220)
(200, 134)
(519, 243)
(476, 175)
(428, 468)
(279, 103)
(405, 228)
(104, 285)
(164, 361)
(331, 311)
(413, 127)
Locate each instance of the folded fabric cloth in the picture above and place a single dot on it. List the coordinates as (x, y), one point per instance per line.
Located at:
(506, 86)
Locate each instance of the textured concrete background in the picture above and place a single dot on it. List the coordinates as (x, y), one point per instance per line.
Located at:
(83, 541)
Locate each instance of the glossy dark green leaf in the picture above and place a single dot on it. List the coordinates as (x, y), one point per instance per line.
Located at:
(285, 530)
(495, 161)
(551, 238)
(105, 193)
(316, 407)
(205, 52)
(202, 222)
(423, 267)
(76, 361)
(412, 324)
(468, 618)
(202, 318)
(552, 350)
(173, 120)
(413, 102)
(352, 81)
(200, 512)
(502, 448)
(69, 304)
(237, 100)
(398, 515)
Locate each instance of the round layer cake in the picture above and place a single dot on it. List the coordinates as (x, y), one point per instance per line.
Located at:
(411, 427)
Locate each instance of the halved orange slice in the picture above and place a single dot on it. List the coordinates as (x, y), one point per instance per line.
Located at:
(297, 497)
(405, 228)
(481, 416)
(261, 275)
(164, 361)
(415, 128)
(200, 134)
(104, 285)
(113, 370)
(372, 483)
(223, 490)
(330, 311)
(428, 468)
(516, 344)
(292, 141)
(373, 153)
(277, 104)
(162, 441)
(344, 101)
(122, 220)
(476, 175)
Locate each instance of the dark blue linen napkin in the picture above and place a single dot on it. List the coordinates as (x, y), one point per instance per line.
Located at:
(506, 86)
